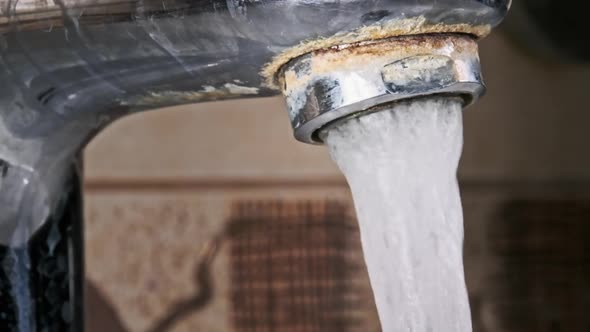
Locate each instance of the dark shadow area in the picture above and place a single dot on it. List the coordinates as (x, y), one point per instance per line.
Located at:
(542, 280)
(101, 316)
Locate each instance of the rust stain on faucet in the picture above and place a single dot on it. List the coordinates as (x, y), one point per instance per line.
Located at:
(406, 27)
(379, 53)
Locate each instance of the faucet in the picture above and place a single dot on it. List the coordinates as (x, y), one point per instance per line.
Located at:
(69, 68)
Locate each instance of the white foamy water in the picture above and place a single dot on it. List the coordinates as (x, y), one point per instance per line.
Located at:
(401, 166)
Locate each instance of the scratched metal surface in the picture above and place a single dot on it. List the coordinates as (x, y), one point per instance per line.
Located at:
(83, 64)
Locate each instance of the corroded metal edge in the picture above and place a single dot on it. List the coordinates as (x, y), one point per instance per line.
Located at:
(395, 28)
(326, 85)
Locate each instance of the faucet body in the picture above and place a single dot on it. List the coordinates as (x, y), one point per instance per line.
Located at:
(68, 68)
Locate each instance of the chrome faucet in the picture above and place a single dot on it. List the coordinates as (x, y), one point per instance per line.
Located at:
(69, 68)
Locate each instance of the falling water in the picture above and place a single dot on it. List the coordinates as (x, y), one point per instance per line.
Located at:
(401, 163)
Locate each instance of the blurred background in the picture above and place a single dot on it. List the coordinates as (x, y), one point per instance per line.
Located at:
(203, 219)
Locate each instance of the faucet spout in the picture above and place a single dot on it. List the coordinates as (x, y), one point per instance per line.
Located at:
(69, 68)
(328, 85)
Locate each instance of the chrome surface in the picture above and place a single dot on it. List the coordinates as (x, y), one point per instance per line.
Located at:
(68, 68)
(404, 67)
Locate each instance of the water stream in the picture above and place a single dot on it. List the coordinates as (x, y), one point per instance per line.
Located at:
(401, 165)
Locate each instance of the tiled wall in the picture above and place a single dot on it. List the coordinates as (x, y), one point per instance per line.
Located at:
(145, 247)
(161, 185)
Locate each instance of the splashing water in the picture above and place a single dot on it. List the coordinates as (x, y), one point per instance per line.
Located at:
(401, 163)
